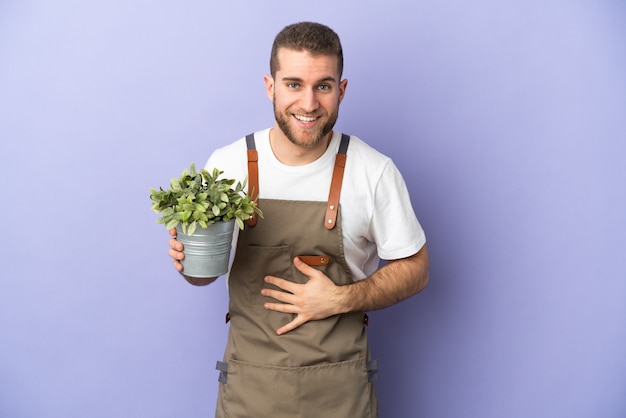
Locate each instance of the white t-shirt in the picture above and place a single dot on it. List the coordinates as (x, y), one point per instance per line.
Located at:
(377, 218)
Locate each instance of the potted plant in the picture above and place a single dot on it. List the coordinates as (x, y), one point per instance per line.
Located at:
(204, 208)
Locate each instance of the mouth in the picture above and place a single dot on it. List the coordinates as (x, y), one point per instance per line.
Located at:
(306, 120)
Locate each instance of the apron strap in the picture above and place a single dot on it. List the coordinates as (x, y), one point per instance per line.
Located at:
(253, 176)
(335, 186)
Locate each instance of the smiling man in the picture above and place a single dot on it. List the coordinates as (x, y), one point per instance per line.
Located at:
(304, 275)
(305, 109)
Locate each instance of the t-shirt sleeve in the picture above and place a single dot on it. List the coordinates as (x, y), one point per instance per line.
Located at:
(395, 228)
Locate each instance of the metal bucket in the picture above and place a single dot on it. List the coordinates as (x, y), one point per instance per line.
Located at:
(207, 250)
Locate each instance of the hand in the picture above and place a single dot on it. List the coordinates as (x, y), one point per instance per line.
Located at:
(316, 299)
(176, 250)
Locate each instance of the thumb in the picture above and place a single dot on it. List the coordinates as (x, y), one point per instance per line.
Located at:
(303, 267)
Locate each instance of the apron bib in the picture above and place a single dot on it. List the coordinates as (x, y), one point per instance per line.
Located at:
(320, 369)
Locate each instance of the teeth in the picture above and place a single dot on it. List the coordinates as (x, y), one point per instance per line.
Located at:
(305, 118)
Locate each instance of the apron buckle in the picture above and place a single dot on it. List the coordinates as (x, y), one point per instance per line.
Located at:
(223, 369)
(372, 370)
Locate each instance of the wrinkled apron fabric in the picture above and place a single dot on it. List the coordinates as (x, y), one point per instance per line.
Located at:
(322, 368)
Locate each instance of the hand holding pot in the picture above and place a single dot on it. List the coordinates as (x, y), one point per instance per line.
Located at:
(176, 252)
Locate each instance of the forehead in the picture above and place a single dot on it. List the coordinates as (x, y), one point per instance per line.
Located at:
(293, 63)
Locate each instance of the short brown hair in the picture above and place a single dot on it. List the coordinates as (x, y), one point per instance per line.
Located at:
(307, 36)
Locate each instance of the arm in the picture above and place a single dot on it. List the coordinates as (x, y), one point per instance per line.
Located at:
(392, 283)
(320, 298)
(176, 252)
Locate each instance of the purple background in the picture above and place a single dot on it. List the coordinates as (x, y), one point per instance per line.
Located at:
(508, 120)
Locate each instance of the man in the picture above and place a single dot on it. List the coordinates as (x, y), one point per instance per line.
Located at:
(304, 274)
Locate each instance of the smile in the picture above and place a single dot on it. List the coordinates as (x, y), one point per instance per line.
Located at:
(305, 118)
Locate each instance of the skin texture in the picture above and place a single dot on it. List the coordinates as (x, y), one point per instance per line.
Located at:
(306, 93)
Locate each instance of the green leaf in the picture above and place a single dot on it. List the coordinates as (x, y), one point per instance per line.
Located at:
(171, 224)
(200, 197)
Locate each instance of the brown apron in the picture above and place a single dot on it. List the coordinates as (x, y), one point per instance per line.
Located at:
(320, 369)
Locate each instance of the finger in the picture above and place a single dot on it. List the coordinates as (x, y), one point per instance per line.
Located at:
(178, 266)
(279, 295)
(280, 307)
(297, 321)
(177, 245)
(303, 267)
(290, 287)
(173, 232)
(176, 255)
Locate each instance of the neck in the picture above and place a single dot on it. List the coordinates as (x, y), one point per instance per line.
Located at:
(291, 154)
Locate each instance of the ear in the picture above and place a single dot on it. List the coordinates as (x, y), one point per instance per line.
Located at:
(343, 85)
(269, 86)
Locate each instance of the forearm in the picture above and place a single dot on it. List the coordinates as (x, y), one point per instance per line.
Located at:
(392, 283)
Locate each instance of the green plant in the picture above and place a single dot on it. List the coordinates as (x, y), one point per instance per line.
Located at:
(199, 199)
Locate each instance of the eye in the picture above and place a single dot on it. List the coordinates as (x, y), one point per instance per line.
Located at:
(293, 85)
(324, 87)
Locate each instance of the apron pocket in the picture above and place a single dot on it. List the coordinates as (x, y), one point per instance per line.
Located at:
(271, 261)
(338, 390)
(257, 391)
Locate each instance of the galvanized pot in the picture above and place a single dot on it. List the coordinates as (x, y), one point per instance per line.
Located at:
(207, 250)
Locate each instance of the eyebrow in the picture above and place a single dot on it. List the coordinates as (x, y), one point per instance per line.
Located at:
(299, 80)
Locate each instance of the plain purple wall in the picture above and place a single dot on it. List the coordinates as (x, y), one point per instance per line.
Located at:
(508, 120)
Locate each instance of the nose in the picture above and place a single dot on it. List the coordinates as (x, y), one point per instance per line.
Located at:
(308, 101)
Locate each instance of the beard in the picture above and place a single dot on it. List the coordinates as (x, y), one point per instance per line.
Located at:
(316, 136)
